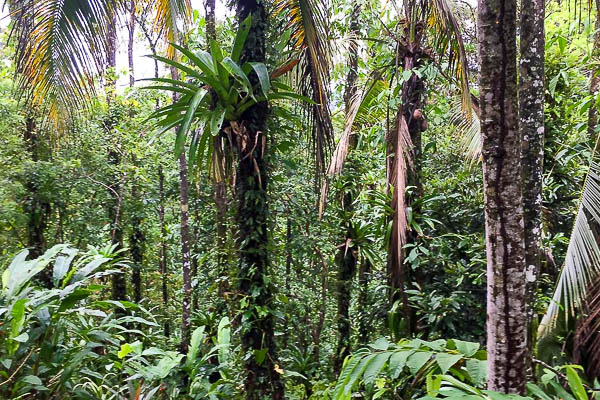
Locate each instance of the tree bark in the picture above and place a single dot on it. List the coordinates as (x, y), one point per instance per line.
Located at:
(131, 32)
(137, 241)
(261, 380)
(119, 284)
(185, 252)
(347, 253)
(364, 326)
(531, 113)
(163, 247)
(37, 207)
(505, 236)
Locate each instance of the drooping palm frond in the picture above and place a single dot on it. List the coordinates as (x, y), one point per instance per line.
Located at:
(582, 261)
(308, 24)
(364, 110)
(170, 17)
(60, 46)
(448, 40)
(467, 129)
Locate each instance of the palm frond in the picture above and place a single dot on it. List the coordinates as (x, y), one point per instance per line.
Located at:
(400, 154)
(582, 262)
(448, 40)
(61, 45)
(586, 349)
(467, 129)
(364, 110)
(308, 24)
(169, 14)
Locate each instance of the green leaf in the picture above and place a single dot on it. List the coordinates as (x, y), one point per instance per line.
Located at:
(477, 370)
(535, 390)
(125, 350)
(216, 120)
(375, 367)
(446, 361)
(575, 383)
(418, 360)
(197, 337)
(187, 121)
(260, 355)
(217, 57)
(380, 344)
(263, 77)
(240, 38)
(22, 338)
(357, 372)
(468, 349)
(398, 362)
(32, 380)
(237, 73)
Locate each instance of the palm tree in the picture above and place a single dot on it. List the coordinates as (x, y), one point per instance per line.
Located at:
(422, 21)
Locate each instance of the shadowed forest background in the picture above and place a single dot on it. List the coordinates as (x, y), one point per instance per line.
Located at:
(299, 199)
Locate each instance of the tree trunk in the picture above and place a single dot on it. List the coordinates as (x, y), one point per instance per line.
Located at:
(258, 339)
(219, 184)
(531, 112)
(137, 241)
(119, 284)
(505, 236)
(364, 326)
(131, 31)
(346, 257)
(185, 252)
(406, 169)
(163, 247)
(36, 207)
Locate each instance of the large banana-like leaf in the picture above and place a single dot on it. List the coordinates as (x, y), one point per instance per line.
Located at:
(582, 262)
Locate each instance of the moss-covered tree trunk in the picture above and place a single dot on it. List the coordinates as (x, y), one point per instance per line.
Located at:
(262, 381)
(119, 283)
(505, 236)
(346, 258)
(162, 260)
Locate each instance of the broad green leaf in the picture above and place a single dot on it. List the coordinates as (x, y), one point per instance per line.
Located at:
(380, 344)
(446, 361)
(240, 38)
(357, 372)
(22, 338)
(31, 379)
(237, 73)
(398, 362)
(187, 121)
(416, 361)
(477, 370)
(124, 351)
(535, 390)
(217, 57)
(468, 349)
(575, 383)
(216, 120)
(263, 77)
(197, 337)
(375, 367)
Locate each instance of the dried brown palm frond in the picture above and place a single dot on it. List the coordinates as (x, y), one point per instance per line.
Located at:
(587, 333)
(308, 24)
